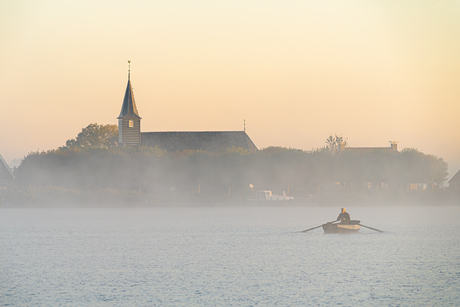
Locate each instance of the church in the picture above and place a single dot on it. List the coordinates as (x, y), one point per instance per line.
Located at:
(129, 133)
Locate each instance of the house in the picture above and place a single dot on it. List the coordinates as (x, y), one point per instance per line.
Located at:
(5, 174)
(454, 182)
(392, 149)
(129, 133)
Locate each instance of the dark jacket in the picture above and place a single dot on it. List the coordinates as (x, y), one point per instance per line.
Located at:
(344, 216)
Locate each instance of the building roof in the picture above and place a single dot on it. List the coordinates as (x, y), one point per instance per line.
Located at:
(212, 141)
(456, 178)
(363, 150)
(368, 149)
(5, 171)
(129, 109)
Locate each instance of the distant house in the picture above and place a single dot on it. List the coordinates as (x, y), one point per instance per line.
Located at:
(454, 182)
(393, 148)
(5, 174)
(129, 133)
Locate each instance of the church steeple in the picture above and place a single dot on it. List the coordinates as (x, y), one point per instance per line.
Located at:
(129, 108)
(129, 121)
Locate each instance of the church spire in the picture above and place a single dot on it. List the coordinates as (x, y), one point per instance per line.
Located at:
(129, 108)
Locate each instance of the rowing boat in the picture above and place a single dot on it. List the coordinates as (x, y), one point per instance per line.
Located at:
(350, 227)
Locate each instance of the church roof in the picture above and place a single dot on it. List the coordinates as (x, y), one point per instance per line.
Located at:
(129, 108)
(212, 141)
(456, 178)
(5, 171)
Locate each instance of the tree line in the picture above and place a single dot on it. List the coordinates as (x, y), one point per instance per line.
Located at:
(94, 161)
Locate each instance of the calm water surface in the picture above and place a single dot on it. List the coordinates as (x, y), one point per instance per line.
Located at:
(228, 257)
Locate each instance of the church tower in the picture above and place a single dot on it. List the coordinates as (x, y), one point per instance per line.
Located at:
(129, 121)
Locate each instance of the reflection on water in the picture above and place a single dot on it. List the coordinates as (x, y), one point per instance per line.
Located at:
(228, 256)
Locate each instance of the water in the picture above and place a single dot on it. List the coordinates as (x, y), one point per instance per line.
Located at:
(228, 257)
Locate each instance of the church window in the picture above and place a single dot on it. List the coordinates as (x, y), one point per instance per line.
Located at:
(130, 123)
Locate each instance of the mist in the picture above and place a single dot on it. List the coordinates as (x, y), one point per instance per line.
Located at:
(106, 216)
(145, 176)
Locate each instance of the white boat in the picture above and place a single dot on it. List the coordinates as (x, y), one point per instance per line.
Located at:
(264, 195)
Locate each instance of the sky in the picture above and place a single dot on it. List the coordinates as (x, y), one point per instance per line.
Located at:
(296, 71)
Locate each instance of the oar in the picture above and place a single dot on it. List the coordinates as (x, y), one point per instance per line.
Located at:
(371, 228)
(315, 227)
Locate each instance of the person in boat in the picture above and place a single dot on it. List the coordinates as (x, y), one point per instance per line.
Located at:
(344, 217)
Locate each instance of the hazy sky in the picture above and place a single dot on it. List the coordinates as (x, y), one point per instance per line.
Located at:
(297, 71)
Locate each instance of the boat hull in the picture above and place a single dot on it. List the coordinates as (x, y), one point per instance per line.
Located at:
(341, 228)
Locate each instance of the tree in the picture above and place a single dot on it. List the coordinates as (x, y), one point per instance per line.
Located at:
(417, 167)
(94, 135)
(332, 143)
